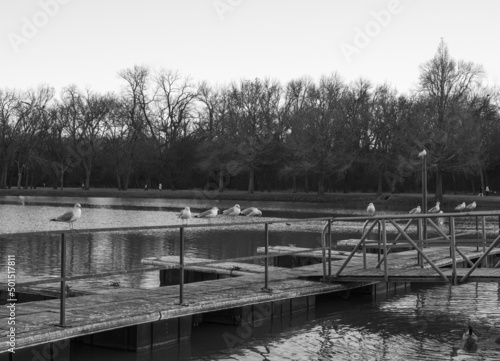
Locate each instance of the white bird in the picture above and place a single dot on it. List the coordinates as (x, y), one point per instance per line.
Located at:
(233, 211)
(370, 209)
(471, 206)
(460, 207)
(422, 153)
(185, 214)
(211, 213)
(415, 210)
(70, 217)
(435, 209)
(251, 212)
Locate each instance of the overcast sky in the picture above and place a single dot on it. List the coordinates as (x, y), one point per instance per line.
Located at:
(86, 42)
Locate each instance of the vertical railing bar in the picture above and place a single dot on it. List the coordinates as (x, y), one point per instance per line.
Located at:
(477, 234)
(266, 266)
(62, 310)
(181, 267)
(420, 261)
(483, 233)
(449, 223)
(329, 248)
(452, 250)
(384, 239)
(379, 235)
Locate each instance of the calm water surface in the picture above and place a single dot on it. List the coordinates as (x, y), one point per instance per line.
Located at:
(425, 324)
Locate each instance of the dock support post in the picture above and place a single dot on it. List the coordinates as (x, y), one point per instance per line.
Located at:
(452, 251)
(181, 267)
(62, 310)
(329, 248)
(477, 234)
(266, 266)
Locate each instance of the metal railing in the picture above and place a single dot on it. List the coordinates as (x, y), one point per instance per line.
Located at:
(64, 279)
(326, 245)
(419, 245)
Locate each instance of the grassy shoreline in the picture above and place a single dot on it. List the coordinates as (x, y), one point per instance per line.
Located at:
(354, 197)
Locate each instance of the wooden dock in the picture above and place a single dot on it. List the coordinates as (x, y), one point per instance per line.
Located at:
(237, 288)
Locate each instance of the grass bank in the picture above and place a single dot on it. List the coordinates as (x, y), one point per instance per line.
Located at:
(411, 199)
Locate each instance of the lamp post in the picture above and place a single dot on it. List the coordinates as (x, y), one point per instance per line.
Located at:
(423, 155)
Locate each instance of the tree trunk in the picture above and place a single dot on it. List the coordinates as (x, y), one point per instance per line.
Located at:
(251, 186)
(306, 183)
(346, 182)
(221, 181)
(380, 182)
(439, 185)
(482, 180)
(321, 185)
(87, 178)
(19, 178)
(118, 181)
(3, 179)
(294, 183)
(62, 179)
(126, 180)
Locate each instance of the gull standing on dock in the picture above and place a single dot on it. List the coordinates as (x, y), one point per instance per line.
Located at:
(70, 217)
(460, 207)
(435, 209)
(185, 214)
(251, 212)
(211, 213)
(471, 206)
(370, 209)
(415, 210)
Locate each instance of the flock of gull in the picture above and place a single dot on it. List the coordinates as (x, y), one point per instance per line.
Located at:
(436, 209)
(75, 214)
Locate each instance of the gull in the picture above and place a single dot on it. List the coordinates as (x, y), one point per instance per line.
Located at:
(70, 217)
(422, 153)
(415, 210)
(233, 211)
(435, 209)
(370, 209)
(211, 213)
(251, 212)
(185, 214)
(471, 206)
(460, 207)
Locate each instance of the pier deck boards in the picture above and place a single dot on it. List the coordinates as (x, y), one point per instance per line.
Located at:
(117, 307)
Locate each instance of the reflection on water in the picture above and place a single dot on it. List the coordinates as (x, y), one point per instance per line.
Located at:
(425, 324)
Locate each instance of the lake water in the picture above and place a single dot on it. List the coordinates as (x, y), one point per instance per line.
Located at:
(425, 324)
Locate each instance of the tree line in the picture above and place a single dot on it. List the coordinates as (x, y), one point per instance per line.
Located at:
(322, 136)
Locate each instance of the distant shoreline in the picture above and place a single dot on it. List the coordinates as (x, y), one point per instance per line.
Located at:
(354, 197)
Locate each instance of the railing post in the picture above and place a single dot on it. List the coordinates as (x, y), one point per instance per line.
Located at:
(266, 266)
(181, 267)
(384, 240)
(62, 310)
(379, 235)
(329, 248)
(452, 251)
(420, 261)
(483, 233)
(477, 234)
